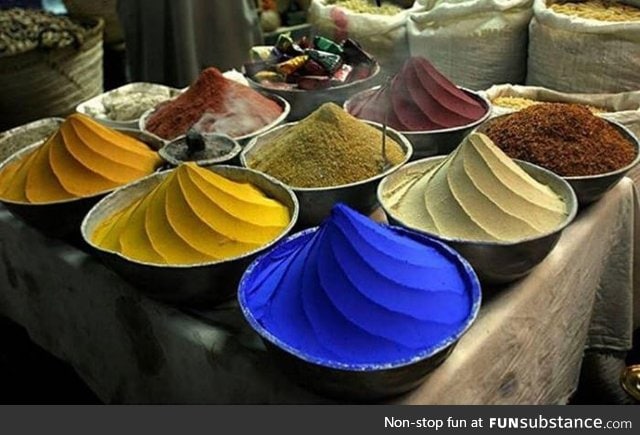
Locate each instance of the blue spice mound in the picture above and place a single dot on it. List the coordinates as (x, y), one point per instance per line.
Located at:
(354, 294)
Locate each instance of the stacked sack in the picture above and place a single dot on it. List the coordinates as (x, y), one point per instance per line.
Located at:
(384, 36)
(476, 43)
(570, 53)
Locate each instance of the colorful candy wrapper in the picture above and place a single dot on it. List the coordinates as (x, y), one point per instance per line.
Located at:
(291, 66)
(342, 74)
(325, 44)
(329, 61)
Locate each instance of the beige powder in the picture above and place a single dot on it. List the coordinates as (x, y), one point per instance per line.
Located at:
(478, 193)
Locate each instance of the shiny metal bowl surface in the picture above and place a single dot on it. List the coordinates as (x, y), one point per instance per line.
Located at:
(12, 141)
(304, 102)
(286, 109)
(434, 142)
(198, 285)
(316, 203)
(360, 382)
(61, 219)
(170, 152)
(494, 262)
(590, 188)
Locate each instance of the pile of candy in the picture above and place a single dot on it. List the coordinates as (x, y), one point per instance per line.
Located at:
(309, 64)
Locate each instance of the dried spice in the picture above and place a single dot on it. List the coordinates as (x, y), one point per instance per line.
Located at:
(598, 10)
(218, 104)
(23, 30)
(478, 193)
(83, 158)
(193, 216)
(328, 148)
(564, 138)
(519, 103)
(367, 7)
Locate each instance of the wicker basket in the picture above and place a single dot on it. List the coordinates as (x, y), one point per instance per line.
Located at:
(105, 9)
(43, 83)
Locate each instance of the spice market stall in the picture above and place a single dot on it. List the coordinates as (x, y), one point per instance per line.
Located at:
(131, 349)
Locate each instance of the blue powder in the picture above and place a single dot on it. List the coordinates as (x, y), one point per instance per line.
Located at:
(357, 294)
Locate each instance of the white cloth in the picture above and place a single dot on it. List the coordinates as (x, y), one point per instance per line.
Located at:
(573, 54)
(476, 43)
(170, 42)
(525, 347)
(384, 36)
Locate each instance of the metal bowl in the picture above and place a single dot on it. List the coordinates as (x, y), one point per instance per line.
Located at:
(20, 137)
(434, 142)
(171, 151)
(304, 102)
(95, 108)
(360, 382)
(203, 284)
(590, 188)
(61, 219)
(316, 203)
(495, 262)
(286, 109)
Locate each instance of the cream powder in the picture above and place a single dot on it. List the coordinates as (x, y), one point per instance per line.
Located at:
(478, 193)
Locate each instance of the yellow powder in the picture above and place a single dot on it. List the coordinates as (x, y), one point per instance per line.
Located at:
(193, 216)
(83, 158)
(478, 193)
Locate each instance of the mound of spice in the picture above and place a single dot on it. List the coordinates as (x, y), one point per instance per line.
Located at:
(193, 216)
(355, 293)
(478, 193)
(83, 158)
(327, 148)
(519, 103)
(218, 105)
(419, 98)
(564, 138)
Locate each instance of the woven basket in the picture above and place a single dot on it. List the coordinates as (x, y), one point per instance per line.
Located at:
(105, 9)
(43, 83)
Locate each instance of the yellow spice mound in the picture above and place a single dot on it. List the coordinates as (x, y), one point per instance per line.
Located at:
(81, 159)
(193, 216)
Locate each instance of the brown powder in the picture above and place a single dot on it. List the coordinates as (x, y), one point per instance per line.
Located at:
(564, 138)
(328, 148)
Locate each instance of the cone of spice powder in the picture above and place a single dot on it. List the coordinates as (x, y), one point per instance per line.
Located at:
(83, 158)
(218, 104)
(192, 217)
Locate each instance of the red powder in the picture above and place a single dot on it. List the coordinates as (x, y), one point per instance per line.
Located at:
(223, 105)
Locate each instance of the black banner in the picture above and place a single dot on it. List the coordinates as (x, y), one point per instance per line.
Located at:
(326, 420)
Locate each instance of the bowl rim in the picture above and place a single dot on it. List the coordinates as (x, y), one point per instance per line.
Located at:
(282, 102)
(5, 135)
(31, 148)
(476, 95)
(237, 148)
(475, 291)
(121, 190)
(624, 130)
(254, 84)
(572, 207)
(402, 141)
(82, 107)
